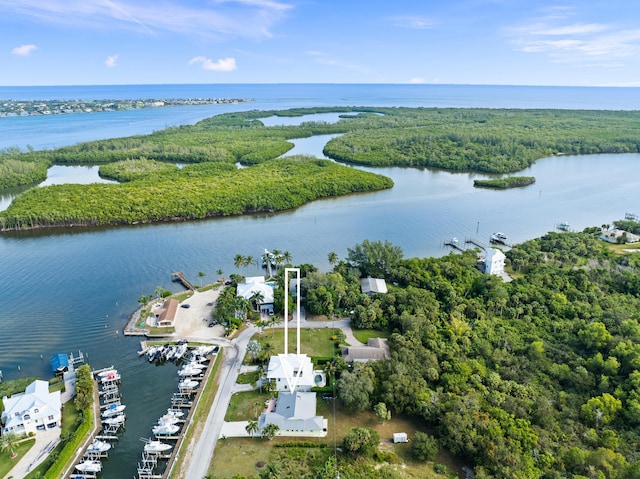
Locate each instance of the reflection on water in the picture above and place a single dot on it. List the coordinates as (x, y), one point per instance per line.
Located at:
(73, 174)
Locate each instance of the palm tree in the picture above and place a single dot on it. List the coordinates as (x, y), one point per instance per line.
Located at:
(241, 306)
(256, 299)
(158, 291)
(248, 261)
(201, 275)
(270, 431)
(267, 348)
(8, 442)
(286, 256)
(238, 260)
(252, 428)
(333, 258)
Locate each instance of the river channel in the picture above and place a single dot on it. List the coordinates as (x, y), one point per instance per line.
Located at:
(70, 290)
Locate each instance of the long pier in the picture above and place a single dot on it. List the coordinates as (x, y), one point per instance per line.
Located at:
(479, 244)
(179, 276)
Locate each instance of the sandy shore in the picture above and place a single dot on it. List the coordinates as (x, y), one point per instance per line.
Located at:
(193, 323)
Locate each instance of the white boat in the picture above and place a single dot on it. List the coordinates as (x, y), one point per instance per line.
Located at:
(113, 410)
(191, 369)
(188, 384)
(156, 447)
(110, 376)
(175, 412)
(168, 419)
(499, 238)
(98, 446)
(564, 226)
(105, 373)
(89, 466)
(180, 351)
(114, 420)
(165, 429)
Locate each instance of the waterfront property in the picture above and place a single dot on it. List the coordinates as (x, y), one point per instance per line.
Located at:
(294, 412)
(494, 262)
(616, 235)
(34, 410)
(166, 315)
(256, 287)
(291, 372)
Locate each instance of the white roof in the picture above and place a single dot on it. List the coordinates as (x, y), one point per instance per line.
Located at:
(373, 285)
(246, 290)
(297, 369)
(494, 255)
(254, 279)
(36, 396)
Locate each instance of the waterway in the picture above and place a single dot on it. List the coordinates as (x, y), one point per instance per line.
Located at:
(70, 290)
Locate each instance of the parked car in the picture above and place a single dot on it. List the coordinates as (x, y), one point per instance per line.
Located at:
(185, 305)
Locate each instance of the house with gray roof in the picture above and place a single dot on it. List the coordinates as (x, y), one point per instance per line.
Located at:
(295, 413)
(373, 285)
(375, 350)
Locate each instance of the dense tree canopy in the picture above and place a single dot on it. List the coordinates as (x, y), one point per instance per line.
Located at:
(535, 378)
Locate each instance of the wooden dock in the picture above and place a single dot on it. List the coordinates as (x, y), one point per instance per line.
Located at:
(453, 243)
(179, 276)
(479, 244)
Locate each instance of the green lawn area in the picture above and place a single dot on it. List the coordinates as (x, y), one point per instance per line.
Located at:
(363, 335)
(6, 463)
(239, 455)
(245, 406)
(313, 341)
(248, 378)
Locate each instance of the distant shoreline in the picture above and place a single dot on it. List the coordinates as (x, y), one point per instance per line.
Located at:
(14, 108)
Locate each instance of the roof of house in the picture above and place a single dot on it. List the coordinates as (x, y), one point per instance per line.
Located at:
(59, 361)
(294, 411)
(35, 396)
(296, 368)
(373, 285)
(494, 255)
(247, 290)
(168, 310)
(376, 349)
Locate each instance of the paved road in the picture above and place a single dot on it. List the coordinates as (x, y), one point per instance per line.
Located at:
(202, 452)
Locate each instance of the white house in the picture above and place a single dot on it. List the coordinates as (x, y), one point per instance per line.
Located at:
(373, 285)
(257, 284)
(494, 262)
(295, 413)
(615, 235)
(291, 372)
(34, 410)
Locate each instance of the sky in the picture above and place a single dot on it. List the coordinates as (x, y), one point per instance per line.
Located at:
(499, 42)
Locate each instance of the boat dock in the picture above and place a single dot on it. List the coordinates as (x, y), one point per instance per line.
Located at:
(477, 243)
(455, 244)
(179, 276)
(182, 400)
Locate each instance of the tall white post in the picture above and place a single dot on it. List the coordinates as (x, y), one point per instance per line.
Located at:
(286, 308)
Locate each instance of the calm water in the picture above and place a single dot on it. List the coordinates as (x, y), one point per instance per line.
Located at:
(73, 290)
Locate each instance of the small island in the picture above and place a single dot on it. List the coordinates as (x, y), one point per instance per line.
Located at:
(504, 183)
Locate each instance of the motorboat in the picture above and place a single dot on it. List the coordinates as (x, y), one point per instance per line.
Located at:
(98, 446)
(188, 384)
(564, 226)
(156, 447)
(110, 376)
(179, 351)
(499, 238)
(175, 412)
(168, 419)
(191, 369)
(114, 420)
(107, 372)
(113, 410)
(165, 429)
(89, 466)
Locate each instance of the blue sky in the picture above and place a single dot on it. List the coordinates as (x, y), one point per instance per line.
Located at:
(513, 42)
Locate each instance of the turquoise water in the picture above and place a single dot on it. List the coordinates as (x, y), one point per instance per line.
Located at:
(69, 290)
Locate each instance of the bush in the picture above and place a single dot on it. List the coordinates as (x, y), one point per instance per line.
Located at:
(424, 447)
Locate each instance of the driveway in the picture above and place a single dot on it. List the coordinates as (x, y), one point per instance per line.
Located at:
(45, 442)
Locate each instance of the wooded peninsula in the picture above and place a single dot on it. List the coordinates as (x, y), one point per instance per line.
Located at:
(481, 140)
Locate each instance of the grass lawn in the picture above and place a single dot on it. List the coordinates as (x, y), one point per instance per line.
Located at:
(7, 463)
(239, 455)
(248, 378)
(621, 248)
(246, 406)
(313, 341)
(363, 335)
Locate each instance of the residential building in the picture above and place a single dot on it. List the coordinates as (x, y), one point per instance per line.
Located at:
(166, 315)
(295, 413)
(373, 285)
(256, 285)
(34, 410)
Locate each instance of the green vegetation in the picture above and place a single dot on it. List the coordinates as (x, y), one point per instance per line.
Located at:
(188, 194)
(19, 449)
(154, 189)
(504, 183)
(246, 405)
(534, 378)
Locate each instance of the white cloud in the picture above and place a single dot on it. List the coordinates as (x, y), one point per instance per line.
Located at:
(411, 21)
(245, 18)
(564, 40)
(222, 65)
(416, 80)
(111, 61)
(23, 50)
